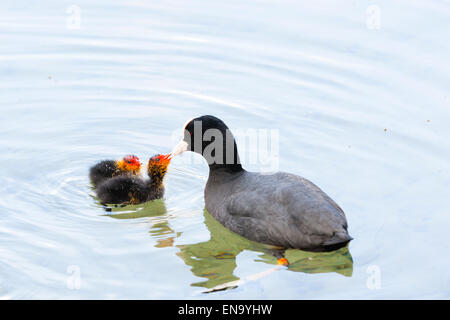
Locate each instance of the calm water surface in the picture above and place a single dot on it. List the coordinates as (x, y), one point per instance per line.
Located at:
(359, 96)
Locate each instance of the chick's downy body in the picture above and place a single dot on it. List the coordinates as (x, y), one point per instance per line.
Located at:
(133, 189)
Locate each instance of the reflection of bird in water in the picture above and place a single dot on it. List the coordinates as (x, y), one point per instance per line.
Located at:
(157, 212)
(215, 259)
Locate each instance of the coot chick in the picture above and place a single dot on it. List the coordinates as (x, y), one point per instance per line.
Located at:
(127, 189)
(107, 169)
(281, 209)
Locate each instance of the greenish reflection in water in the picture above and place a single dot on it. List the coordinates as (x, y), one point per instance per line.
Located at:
(215, 259)
(160, 228)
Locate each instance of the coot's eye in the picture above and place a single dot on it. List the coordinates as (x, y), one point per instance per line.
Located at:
(129, 161)
(157, 159)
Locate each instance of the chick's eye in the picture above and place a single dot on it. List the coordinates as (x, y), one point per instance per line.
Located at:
(129, 161)
(157, 159)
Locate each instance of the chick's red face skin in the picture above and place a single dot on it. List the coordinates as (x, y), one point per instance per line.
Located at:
(130, 163)
(160, 160)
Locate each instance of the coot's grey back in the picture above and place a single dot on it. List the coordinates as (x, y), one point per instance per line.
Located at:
(281, 209)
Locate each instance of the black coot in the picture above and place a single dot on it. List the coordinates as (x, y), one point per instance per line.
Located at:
(107, 169)
(281, 209)
(128, 189)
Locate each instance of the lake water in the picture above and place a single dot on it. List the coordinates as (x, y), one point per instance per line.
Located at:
(358, 93)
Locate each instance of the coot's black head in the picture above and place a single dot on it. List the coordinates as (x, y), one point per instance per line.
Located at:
(210, 137)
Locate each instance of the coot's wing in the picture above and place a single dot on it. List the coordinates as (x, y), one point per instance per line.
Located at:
(287, 210)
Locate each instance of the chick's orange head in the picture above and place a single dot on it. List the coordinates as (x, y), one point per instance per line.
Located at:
(160, 160)
(129, 163)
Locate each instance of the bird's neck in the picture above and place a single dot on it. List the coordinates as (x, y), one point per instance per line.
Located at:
(225, 168)
(156, 179)
(227, 161)
(222, 174)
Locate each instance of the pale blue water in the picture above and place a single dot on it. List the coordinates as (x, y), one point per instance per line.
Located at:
(362, 108)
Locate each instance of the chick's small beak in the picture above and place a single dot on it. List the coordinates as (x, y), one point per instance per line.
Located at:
(166, 158)
(180, 148)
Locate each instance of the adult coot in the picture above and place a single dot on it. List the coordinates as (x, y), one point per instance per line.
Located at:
(107, 169)
(127, 189)
(281, 209)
